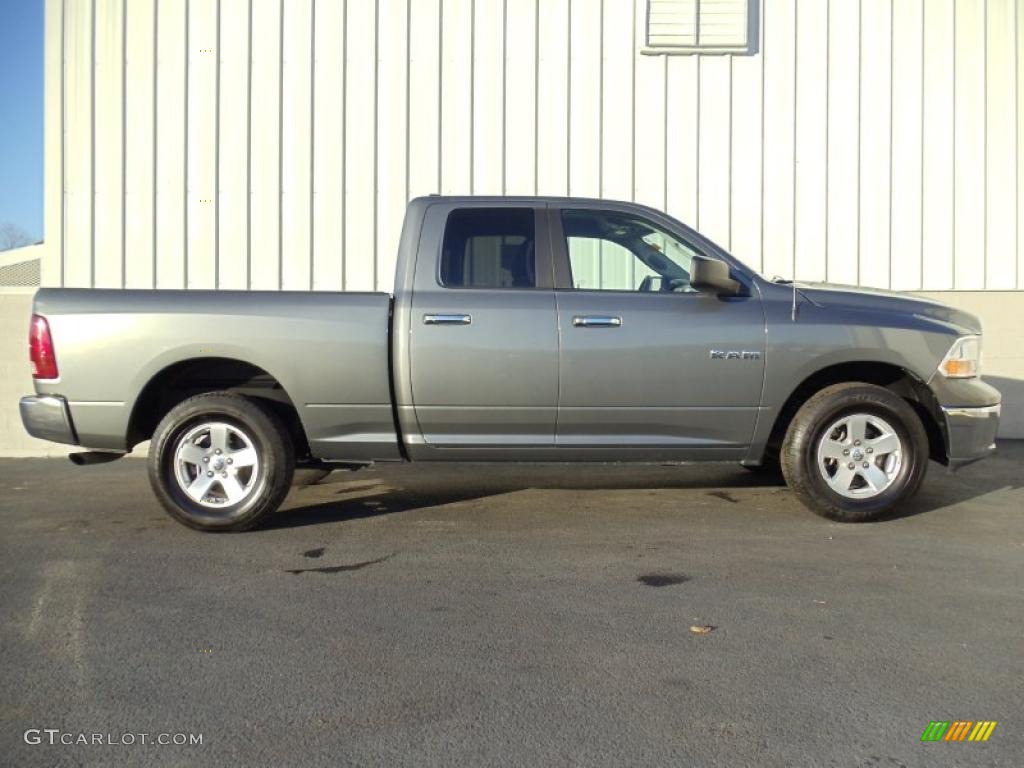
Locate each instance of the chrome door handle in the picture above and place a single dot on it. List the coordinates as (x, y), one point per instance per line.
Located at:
(447, 319)
(596, 321)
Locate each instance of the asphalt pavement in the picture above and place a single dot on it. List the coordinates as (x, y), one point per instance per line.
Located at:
(511, 615)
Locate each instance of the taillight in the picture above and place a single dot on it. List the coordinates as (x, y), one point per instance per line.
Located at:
(40, 345)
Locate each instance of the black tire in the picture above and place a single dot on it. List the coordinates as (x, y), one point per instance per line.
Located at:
(265, 484)
(806, 431)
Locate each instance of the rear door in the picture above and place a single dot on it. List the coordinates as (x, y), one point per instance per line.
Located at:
(483, 333)
(649, 366)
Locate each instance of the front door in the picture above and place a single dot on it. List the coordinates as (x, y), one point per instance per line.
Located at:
(483, 336)
(648, 365)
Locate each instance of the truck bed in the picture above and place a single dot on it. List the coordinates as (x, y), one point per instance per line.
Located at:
(328, 351)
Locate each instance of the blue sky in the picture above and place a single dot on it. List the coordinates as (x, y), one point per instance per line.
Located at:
(21, 114)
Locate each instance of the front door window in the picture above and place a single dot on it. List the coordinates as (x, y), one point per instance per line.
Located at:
(611, 251)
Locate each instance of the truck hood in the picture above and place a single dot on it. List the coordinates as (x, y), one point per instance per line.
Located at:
(878, 300)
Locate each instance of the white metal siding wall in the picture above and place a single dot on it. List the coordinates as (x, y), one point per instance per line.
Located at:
(273, 143)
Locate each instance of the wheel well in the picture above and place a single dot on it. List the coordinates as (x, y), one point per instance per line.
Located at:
(898, 380)
(187, 378)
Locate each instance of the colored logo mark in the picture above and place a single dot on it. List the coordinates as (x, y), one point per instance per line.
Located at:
(958, 730)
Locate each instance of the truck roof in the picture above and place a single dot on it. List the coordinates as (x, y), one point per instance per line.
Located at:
(521, 199)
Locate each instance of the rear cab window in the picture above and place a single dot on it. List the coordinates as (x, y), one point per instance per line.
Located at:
(489, 248)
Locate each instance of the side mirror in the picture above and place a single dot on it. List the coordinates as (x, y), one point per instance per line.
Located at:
(712, 276)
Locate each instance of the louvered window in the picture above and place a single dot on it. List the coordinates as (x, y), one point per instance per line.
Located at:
(694, 26)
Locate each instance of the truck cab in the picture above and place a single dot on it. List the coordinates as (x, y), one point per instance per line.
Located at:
(566, 330)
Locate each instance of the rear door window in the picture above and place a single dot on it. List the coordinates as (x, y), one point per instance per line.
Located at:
(489, 248)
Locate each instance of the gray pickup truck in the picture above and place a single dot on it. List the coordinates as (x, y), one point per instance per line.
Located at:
(520, 329)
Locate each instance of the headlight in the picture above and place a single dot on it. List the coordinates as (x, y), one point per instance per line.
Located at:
(963, 361)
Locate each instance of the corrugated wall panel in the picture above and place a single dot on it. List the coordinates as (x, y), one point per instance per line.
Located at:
(907, 58)
(552, 99)
(520, 158)
(1019, 115)
(779, 136)
(329, 145)
(585, 98)
(78, 145)
(969, 254)
(171, 136)
(649, 130)
(456, 147)
(202, 144)
(265, 139)
(617, 99)
(937, 164)
(843, 157)
(682, 152)
(52, 266)
(139, 148)
(297, 150)
(425, 97)
(392, 133)
(361, 146)
(875, 196)
(714, 110)
(488, 96)
(109, 147)
(271, 144)
(810, 182)
(746, 158)
(233, 146)
(1000, 142)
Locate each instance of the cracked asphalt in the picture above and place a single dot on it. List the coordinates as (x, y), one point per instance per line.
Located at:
(512, 615)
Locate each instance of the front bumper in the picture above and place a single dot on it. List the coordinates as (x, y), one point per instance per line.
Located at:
(48, 418)
(971, 432)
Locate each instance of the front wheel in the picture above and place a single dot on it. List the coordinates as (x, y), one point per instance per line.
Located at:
(220, 462)
(854, 452)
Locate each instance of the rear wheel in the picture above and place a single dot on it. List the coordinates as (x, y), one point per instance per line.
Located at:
(854, 452)
(220, 462)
